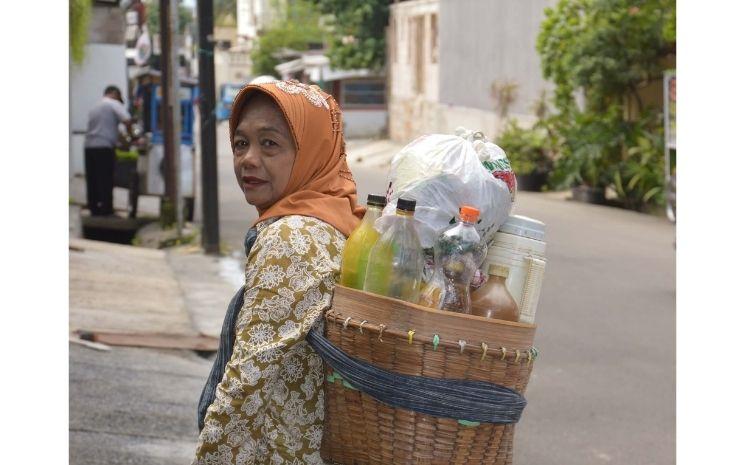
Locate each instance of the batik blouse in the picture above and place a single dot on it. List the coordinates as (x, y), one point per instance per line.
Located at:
(268, 408)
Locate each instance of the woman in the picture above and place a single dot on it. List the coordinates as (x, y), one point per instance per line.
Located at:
(263, 402)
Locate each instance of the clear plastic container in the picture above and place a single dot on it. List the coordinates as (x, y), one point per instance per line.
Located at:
(359, 243)
(394, 268)
(460, 253)
(433, 291)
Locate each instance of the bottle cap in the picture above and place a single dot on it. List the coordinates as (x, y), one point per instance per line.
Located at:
(525, 227)
(406, 204)
(469, 213)
(499, 270)
(376, 200)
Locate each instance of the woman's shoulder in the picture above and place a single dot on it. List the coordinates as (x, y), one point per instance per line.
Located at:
(302, 232)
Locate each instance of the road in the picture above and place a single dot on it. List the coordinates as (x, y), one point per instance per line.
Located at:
(603, 389)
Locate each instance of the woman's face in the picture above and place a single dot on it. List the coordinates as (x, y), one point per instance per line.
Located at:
(264, 152)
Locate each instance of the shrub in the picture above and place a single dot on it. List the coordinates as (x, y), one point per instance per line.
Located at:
(528, 149)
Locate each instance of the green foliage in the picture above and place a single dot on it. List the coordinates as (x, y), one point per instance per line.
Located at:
(639, 177)
(591, 144)
(605, 48)
(604, 51)
(358, 32)
(528, 149)
(80, 16)
(225, 12)
(296, 30)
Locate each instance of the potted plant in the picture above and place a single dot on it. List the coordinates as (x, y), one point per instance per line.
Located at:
(639, 178)
(529, 152)
(590, 148)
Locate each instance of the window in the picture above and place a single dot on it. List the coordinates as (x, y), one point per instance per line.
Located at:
(363, 93)
(418, 45)
(393, 39)
(434, 49)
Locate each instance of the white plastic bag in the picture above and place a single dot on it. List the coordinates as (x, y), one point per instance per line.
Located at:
(442, 173)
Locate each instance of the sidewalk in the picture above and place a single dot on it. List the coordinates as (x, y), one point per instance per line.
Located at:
(372, 153)
(138, 405)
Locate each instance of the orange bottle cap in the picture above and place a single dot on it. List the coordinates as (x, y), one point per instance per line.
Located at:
(469, 213)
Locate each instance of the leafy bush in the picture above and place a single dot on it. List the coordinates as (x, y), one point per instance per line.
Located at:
(604, 51)
(358, 32)
(80, 16)
(638, 179)
(529, 149)
(591, 145)
(297, 31)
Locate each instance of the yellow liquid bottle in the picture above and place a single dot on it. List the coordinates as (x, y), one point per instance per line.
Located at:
(394, 268)
(357, 249)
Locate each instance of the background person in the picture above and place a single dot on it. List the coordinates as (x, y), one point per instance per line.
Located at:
(100, 142)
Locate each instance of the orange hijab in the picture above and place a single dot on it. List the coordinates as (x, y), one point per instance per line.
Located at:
(320, 184)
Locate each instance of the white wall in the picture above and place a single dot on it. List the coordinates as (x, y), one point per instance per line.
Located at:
(104, 64)
(364, 123)
(401, 61)
(491, 40)
(412, 112)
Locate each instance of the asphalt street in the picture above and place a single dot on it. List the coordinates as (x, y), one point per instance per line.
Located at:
(603, 389)
(134, 406)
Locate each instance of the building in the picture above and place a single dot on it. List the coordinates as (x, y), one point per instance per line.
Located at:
(232, 60)
(449, 59)
(253, 16)
(359, 92)
(104, 64)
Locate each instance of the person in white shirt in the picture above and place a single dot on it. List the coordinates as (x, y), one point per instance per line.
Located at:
(100, 141)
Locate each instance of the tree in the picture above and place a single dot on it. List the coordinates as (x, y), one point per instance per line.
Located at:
(358, 32)
(297, 29)
(604, 48)
(605, 51)
(225, 12)
(80, 15)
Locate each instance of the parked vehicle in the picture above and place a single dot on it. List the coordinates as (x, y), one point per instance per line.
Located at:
(225, 104)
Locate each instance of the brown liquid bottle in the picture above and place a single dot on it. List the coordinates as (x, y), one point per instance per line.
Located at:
(493, 300)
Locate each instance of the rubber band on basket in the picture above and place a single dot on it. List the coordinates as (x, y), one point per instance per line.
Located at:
(504, 353)
(363, 322)
(517, 355)
(484, 348)
(380, 334)
(462, 345)
(411, 335)
(435, 341)
(470, 424)
(532, 354)
(346, 322)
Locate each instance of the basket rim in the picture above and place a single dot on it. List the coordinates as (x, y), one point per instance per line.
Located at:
(405, 317)
(481, 319)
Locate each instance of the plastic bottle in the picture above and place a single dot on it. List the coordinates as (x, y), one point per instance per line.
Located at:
(433, 291)
(493, 300)
(461, 253)
(359, 243)
(396, 260)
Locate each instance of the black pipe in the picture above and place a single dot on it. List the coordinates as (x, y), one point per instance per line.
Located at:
(210, 217)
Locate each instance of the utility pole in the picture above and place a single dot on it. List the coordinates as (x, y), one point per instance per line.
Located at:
(171, 111)
(210, 217)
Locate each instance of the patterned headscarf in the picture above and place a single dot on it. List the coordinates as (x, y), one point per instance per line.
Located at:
(320, 184)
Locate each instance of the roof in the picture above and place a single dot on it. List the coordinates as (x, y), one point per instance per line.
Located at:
(317, 67)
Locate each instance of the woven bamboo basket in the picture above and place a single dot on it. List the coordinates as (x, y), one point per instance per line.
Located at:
(360, 430)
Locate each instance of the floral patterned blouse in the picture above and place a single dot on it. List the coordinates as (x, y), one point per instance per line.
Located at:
(268, 407)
